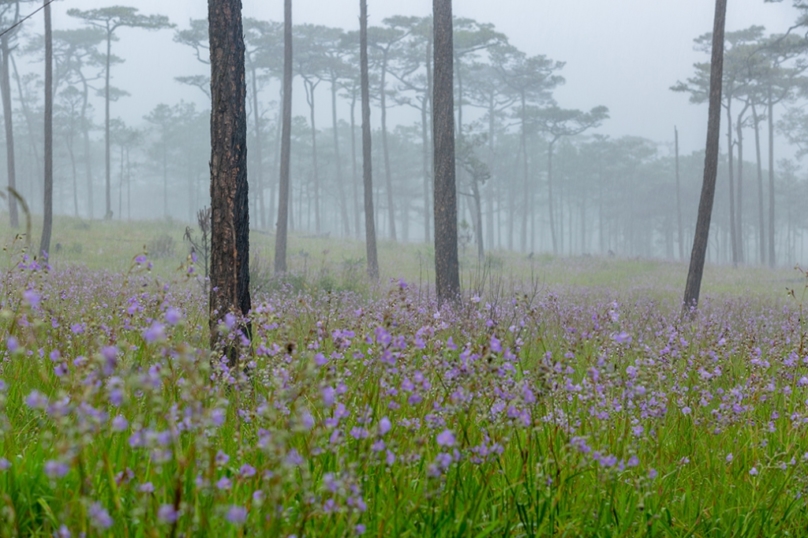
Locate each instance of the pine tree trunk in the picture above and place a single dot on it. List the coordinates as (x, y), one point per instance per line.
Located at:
(367, 165)
(447, 269)
(286, 144)
(230, 224)
(44, 245)
(698, 254)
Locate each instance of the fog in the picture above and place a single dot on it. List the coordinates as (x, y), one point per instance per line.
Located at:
(621, 54)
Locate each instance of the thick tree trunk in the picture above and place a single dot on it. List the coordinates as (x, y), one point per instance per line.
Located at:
(761, 217)
(447, 267)
(698, 254)
(286, 145)
(44, 244)
(525, 174)
(678, 199)
(5, 87)
(230, 223)
(367, 164)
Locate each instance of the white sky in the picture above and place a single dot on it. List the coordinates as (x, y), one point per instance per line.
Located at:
(624, 54)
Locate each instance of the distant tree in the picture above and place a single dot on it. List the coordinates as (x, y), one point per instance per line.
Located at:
(111, 19)
(230, 223)
(558, 123)
(286, 143)
(413, 70)
(532, 81)
(697, 256)
(447, 268)
(9, 15)
(76, 51)
(163, 119)
(196, 37)
(680, 234)
(478, 173)
(261, 40)
(367, 165)
(383, 41)
(736, 85)
(44, 244)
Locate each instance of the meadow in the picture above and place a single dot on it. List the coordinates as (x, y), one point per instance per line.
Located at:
(563, 396)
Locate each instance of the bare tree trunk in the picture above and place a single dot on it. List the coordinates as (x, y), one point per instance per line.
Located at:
(761, 218)
(230, 223)
(5, 86)
(447, 267)
(286, 144)
(698, 254)
(367, 164)
(44, 245)
(679, 199)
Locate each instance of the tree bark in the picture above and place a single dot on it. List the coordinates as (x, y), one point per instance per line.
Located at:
(44, 244)
(5, 86)
(698, 254)
(310, 87)
(230, 224)
(286, 144)
(447, 267)
(367, 165)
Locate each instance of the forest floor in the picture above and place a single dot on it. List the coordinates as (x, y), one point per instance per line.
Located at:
(563, 395)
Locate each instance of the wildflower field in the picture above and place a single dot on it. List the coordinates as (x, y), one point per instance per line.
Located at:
(549, 402)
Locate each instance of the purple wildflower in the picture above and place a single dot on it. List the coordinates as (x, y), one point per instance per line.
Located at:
(236, 515)
(446, 438)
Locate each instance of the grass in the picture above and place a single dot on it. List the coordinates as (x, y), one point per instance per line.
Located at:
(564, 396)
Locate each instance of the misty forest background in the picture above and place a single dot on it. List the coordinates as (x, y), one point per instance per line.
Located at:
(532, 176)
